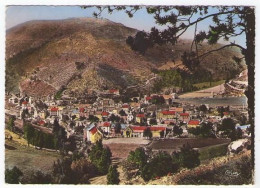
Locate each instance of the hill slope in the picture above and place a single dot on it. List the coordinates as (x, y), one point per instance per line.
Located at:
(86, 53)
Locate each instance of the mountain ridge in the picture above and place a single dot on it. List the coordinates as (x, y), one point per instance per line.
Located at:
(38, 50)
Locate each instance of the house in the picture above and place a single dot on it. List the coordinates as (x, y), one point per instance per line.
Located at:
(25, 104)
(147, 99)
(125, 107)
(193, 124)
(185, 117)
(54, 111)
(92, 134)
(106, 127)
(166, 114)
(113, 91)
(104, 114)
(177, 109)
(41, 123)
(139, 118)
(138, 131)
(167, 98)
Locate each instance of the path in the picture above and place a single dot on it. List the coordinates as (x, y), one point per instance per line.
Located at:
(205, 92)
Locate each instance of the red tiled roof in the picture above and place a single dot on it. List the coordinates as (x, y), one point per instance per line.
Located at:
(125, 106)
(24, 102)
(166, 112)
(82, 110)
(142, 128)
(184, 114)
(54, 109)
(105, 114)
(41, 122)
(194, 122)
(113, 90)
(148, 98)
(140, 115)
(106, 124)
(93, 130)
(226, 113)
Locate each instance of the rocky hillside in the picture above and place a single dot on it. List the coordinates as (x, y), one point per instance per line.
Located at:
(86, 53)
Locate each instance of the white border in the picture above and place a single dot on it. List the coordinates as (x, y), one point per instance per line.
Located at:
(4, 3)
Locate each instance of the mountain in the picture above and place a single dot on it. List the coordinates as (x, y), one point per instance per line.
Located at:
(79, 54)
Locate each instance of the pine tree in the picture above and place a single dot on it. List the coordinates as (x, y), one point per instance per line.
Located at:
(113, 175)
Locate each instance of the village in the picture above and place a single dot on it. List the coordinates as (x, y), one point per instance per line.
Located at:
(148, 117)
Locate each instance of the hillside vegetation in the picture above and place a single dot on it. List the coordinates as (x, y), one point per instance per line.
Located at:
(86, 53)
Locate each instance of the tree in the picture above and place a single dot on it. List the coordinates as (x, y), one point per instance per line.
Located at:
(160, 165)
(138, 158)
(83, 170)
(10, 124)
(37, 178)
(227, 23)
(122, 113)
(153, 121)
(177, 130)
(13, 175)
(203, 108)
(187, 157)
(148, 133)
(93, 118)
(101, 157)
(113, 175)
(118, 128)
(29, 133)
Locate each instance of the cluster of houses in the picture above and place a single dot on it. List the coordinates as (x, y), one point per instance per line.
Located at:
(106, 118)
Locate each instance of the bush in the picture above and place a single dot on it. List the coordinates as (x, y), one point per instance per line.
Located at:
(37, 178)
(13, 176)
(113, 175)
(160, 165)
(100, 157)
(187, 157)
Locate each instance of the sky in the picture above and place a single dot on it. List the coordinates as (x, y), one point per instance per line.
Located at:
(141, 20)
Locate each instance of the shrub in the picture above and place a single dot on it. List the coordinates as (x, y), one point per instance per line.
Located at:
(13, 176)
(113, 175)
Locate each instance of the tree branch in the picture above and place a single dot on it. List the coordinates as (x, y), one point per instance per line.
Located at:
(215, 50)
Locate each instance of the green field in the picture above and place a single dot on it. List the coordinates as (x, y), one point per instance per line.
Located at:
(207, 153)
(204, 85)
(28, 159)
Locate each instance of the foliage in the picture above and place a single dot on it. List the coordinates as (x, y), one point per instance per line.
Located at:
(238, 171)
(101, 157)
(148, 133)
(157, 100)
(205, 130)
(122, 113)
(139, 43)
(10, 123)
(37, 177)
(62, 172)
(187, 157)
(114, 118)
(210, 152)
(153, 121)
(228, 129)
(160, 165)
(118, 128)
(177, 130)
(83, 169)
(39, 138)
(113, 175)
(138, 158)
(13, 175)
(93, 118)
(203, 108)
